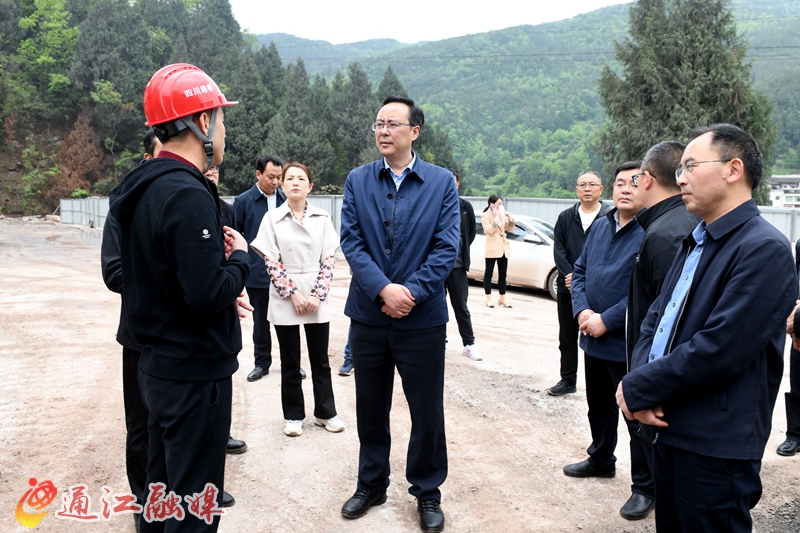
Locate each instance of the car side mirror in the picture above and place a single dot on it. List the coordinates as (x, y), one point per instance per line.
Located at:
(533, 239)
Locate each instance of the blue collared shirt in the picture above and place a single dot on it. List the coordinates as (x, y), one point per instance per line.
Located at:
(675, 305)
(399, 179)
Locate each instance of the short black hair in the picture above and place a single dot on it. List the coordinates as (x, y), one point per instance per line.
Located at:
(261, 164)
(149, 142)
(628, 165)
(415, 115)
(733, 142)
(453, 171)
(661, 160)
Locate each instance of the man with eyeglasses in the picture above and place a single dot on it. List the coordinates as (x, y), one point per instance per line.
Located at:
(665, 222)
(571, 230)
(399, 233)
(709, 361)
(599, 300)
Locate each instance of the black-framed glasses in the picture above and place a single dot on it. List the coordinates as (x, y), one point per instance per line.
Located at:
(635, 177)
(392, 125)
(689, 167)
(588, 185)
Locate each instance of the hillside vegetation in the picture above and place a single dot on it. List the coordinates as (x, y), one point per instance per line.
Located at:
(517, 111)
(521, 105)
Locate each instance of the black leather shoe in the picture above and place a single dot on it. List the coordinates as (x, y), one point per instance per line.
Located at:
(788, 448)
(561, 388)
(637, 507)
(227, 500)
(257, 373)
(431, 517)
(302, 374)
(587, 469)
(235, 446)
(359, 504)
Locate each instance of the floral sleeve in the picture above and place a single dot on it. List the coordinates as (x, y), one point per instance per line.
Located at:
(280, 279)
(322, 285)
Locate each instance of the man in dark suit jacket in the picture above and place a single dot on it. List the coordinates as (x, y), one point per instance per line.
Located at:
(456, 282)
(709, 362)
(250, 207)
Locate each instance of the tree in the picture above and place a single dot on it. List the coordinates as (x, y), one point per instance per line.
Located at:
(293, 133)
(390, 85)
(352, 110)
(246, 126)
(40, 88)
(683, 66)
(80, 162)
(215, 39)
(112, 64)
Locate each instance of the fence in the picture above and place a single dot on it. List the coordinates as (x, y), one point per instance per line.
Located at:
(92, 211)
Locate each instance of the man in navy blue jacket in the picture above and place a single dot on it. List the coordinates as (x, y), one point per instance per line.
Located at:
(250, 207)
(709, 361)
(599, 301)
(400, 231)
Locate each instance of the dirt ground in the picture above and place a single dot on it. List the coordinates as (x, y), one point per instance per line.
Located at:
(62, 419)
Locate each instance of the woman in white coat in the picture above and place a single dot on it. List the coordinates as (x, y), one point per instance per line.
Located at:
(298, 242)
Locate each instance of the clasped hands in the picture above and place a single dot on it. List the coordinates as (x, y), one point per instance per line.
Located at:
(303, 304)
(651, 417)
(397, 300)
(591, 323)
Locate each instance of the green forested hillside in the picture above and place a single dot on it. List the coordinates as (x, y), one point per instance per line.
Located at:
(520, 105)
(517, 110)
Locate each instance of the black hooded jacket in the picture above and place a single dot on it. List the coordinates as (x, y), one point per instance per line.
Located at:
(178, 289)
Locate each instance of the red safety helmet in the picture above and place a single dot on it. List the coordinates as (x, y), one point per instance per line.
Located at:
(180, 90)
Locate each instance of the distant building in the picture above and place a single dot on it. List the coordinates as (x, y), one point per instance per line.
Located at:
(785, 190)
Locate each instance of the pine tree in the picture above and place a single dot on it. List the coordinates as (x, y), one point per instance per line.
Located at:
(390, 85)
(352, 110)
(246, 126)
(294, 135)
(683, 66)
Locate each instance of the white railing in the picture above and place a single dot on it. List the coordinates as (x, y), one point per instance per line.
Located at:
(92, 211)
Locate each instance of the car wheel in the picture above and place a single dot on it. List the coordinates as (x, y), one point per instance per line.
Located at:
(552, 284)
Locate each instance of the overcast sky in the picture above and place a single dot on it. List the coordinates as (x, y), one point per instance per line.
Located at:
(348, 21)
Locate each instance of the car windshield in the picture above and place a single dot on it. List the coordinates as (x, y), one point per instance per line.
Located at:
(544, 227)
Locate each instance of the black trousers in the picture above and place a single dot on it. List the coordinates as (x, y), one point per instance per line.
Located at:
(502, 269)
(136, 416)
(567, 337)
(793, 397)
(700, 494)
(292, 384)
(418, 356)
(457, 287)
(189, 426)
(602, 380)
(262, 340)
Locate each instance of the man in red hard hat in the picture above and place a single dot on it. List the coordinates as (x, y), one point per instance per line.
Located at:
(182, 273)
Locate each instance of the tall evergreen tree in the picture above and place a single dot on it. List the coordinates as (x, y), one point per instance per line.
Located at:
(246, 126)
(215, 40)
(683, 66)
(112, 64)
(294, 135)
(390, 85)
(352, 107)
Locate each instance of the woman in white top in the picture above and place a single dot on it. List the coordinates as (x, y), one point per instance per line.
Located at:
(298, 242)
